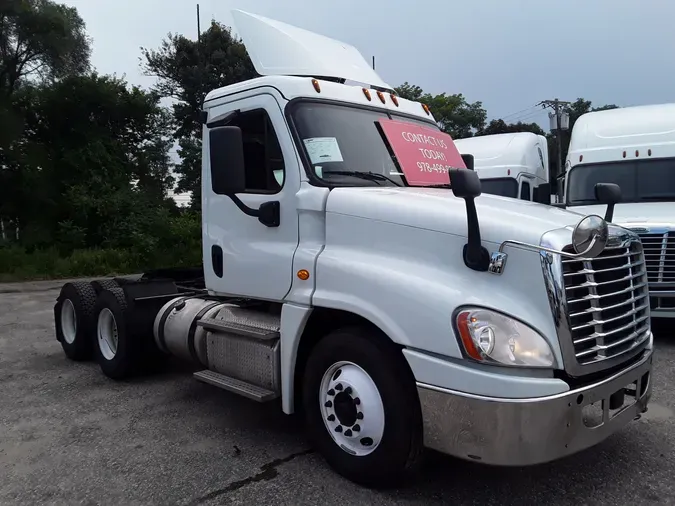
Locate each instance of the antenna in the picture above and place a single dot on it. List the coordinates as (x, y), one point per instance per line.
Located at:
(373, 62)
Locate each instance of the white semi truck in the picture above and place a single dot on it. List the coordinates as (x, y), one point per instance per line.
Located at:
(353, 272)
(633, 147)
(512, 164)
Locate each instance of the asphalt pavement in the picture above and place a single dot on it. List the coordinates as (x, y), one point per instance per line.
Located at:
(69, 435)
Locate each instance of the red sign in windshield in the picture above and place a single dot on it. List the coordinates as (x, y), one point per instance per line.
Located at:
(424, 154)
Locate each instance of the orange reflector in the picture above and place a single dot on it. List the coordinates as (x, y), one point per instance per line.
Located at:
(465, 335)
(426, 109)
(303, 274)
(366, 92)
(315, 83)
(394, 99)
(380, 95)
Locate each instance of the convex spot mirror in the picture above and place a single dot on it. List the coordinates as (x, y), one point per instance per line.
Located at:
(590, 236)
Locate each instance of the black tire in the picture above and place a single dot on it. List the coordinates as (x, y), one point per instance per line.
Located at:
(104, 284)
(123, 363)
(399, 454)
(82, 297)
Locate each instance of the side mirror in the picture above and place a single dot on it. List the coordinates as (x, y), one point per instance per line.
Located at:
(466, 185)
(610, 194)
(542, 193)
(468, 161)
(226, 153)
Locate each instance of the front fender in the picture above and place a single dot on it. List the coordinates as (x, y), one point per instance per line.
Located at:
(409, 282)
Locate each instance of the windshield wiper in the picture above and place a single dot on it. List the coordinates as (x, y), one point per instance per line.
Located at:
(658, 196)
(370, 176)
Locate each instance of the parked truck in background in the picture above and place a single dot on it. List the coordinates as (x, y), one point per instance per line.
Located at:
(633, 147)
(353, 271)
(512, 164)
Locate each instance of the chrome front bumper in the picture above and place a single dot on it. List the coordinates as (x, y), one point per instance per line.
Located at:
(520, 432)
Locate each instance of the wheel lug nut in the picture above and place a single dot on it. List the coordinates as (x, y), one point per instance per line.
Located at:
(338, 428)
(329, 404)
(356, 428)
(331, 392)
(348, 433)
(359, 415)
(338, 387)
(357, 401)
(348, 390)
(331, 418)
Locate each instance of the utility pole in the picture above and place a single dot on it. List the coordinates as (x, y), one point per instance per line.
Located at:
(199, 28)
(559, 120)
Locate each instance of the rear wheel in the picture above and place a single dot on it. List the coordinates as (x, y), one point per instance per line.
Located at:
(74, 319)
(116, 349)
(361, 408)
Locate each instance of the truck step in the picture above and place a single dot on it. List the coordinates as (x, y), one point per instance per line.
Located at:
(244, 322)
(236, 386)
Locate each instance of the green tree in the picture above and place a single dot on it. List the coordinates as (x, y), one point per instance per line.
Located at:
(453, 113)
(92, 163)
(499, 126)
(186, 70)
(40, 39)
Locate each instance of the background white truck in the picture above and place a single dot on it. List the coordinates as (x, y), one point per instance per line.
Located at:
(342, 277)
(511, 164)
(633, 147)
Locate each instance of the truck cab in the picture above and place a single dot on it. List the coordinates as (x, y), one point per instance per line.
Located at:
(353, 272)
(512, 164)
(633, 147)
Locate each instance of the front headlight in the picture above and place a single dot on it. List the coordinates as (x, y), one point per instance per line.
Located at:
(492, 338)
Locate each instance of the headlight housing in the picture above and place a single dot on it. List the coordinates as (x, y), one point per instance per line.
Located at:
(493, 338)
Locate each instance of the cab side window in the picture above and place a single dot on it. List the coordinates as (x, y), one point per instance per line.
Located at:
(525, 191)
(263, 161)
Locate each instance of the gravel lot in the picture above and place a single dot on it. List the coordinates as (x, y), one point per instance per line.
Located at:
(68, 435)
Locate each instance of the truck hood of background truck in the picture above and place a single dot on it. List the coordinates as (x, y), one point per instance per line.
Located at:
(438, 209)
(639, 213)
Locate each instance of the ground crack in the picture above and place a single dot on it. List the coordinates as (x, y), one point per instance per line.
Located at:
(267, 472)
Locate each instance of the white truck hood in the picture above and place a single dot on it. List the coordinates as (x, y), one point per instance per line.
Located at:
(438, 209)
(648, 213)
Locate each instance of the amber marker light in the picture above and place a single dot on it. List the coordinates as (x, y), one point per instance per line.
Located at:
(303, 274)
(463, 322)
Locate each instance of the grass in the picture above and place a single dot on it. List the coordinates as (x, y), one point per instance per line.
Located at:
(16, 264)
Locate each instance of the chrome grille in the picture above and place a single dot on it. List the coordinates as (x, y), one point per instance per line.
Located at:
(659, 251)
(607, 302)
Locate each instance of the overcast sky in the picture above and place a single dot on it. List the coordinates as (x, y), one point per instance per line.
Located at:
(509, 54)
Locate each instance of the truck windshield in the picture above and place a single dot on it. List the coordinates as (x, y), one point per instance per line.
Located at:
(345, 146)
(504, 186)
(640, 180)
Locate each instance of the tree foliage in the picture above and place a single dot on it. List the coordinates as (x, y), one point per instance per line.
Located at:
(453, 113)
(40, 39)
(186, 70)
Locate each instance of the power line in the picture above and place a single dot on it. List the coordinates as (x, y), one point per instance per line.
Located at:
(521, 111)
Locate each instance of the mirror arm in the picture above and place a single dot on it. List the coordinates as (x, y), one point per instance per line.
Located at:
(268, 213)
(476, 257)
(532, 247)
(609, 214)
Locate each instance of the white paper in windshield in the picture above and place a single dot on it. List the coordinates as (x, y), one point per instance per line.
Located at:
(323, 150)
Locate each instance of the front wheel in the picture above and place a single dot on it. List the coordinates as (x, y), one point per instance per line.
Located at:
(361, 408)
